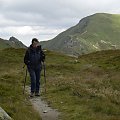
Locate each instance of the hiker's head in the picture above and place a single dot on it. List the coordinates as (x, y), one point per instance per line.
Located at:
(35, 42)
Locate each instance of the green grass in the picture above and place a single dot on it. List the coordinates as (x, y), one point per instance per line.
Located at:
(12, 74)
(84, 88)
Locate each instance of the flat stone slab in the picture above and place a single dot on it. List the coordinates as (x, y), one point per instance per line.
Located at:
(4, 115)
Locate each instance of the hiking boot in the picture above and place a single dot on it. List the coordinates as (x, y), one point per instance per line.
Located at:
(37, 94)
(32, 95)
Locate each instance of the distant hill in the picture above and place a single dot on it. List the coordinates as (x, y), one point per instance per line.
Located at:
(100, 31)
(12, 42)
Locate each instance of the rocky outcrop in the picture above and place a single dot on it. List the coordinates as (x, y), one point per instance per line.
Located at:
(14, 42)
(4, 115)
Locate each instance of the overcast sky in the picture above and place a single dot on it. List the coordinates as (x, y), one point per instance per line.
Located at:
(44, 19)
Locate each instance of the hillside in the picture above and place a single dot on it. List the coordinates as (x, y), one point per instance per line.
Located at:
(87, 88)
(12, 42)
(84, 88)
(12, 75)
(97, 32)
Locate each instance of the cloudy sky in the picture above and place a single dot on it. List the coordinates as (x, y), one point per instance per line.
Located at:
(44, 19)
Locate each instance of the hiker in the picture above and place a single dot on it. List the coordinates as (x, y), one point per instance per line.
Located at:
(33, 58)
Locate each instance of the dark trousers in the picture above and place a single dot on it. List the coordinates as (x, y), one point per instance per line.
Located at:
(35, 78)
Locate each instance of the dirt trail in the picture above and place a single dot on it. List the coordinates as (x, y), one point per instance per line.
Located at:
(46, 112)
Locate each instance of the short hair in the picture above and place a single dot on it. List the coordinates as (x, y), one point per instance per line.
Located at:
(34, 40)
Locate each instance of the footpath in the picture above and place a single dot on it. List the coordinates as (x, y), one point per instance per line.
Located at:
(45, 111)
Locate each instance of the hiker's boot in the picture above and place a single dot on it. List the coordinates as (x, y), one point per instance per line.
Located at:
(32, 94)
(37, 94)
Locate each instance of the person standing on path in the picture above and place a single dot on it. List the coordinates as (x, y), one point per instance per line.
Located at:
(33, 58)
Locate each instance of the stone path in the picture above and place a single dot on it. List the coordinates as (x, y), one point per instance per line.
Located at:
(45, 111)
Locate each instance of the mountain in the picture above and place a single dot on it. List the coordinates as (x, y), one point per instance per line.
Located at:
(100, 31)
(12, 42)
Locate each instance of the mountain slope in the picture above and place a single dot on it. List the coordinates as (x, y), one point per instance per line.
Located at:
(12, 42)
(96, 32)
(86, 88)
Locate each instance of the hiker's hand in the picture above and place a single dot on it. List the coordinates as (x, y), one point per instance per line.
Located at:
(28, 63)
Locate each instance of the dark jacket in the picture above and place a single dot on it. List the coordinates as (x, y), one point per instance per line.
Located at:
(34, 56)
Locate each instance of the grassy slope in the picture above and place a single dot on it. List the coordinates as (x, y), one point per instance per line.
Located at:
(87, 89)
(3, 44)
(100, 26)
(12, 75)
(104, 27)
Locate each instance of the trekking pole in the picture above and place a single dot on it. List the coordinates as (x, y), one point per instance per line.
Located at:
(25, 81)
(44, 75)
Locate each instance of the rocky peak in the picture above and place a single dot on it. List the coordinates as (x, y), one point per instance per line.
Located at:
(13, 39)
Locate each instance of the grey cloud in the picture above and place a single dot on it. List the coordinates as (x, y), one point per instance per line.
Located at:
(38, 12)
(53, 12)
(50, 14)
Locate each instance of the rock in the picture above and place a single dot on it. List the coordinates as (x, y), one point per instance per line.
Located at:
(45, 111)
(4, 115)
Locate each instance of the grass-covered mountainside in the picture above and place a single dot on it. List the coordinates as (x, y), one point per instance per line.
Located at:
(84, 88)
(87, 88)
(12, 42)
(97, 32)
